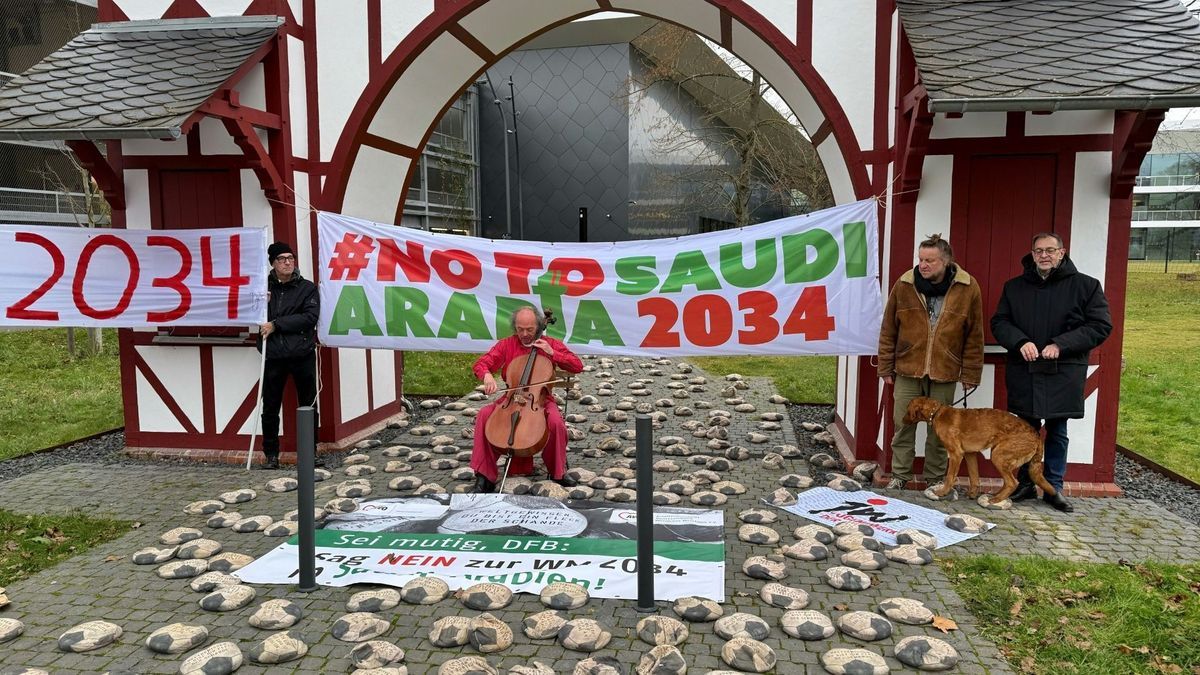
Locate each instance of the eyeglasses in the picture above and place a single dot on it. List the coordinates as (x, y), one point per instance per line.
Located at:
(1046, 251)
(285, 258)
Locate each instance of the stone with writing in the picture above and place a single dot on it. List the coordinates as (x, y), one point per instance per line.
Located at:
(543, 625)
(855, 542)
(419, 456)
(749, 655)
(424, 591)
(907, 611)
(677, 450)
(462, 473)
(222, 519)
(182, 569)
(278, 648)
(397, 466)
(353, 488)
(729, 487)
(375, 654)
(844, 484)
(276, 614)
(807, 624)
(10, 629)
(359, 470)
(373, 600)
(386, 670)
(708, 498)
(784, 597)
(819, 532)
(450, 631)
(237, 496)
(772, 460)
(864, 472)
(283, 528)
(865, 559)
(517, 485)
(228, 598)
(620, 495)
(153, 556)
(742, 624)
(211, 581)
(252, 524)
(758, 534)
(757, 438)
(781, 497)
(600, 665)
(789, 451)
(581, 492)
(824, 460)
(806, 549)
(662, 630)
(229, 561)
(405, 483)
(221, 658)
(660, 498)
(489, 634)
(546, 488)
(847, 578)
(284, 484)
(204, 507)
(843, 661)
(359, 627)
(768, 567)
(744, 408)
(918, 537)
(962, 522)
(696, 609)
(321, 475)
(757, 516)
(583, 635)
(89, 636)
(355, 458)
(179, 535)
(564, 595)
(910, 554)
(662, 660)
(680, 487)
(926, 653)
(467, 665)
(849, 527)
(486, 597)
(867, 626)
(736, 453)
(198, 548)
(444, 464)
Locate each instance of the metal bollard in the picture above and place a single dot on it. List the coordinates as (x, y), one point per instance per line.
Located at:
(645, 515)
(306, 457)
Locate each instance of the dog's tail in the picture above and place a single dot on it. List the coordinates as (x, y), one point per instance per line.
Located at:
(1035, 469)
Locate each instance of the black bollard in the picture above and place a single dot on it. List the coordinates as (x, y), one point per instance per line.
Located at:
(306, 457)
(645, 515)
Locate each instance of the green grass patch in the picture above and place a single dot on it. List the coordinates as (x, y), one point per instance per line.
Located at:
(31, 544)
(47, 398)
(802, 379)
(439, 373)
(1159, 416)
(1049, 616)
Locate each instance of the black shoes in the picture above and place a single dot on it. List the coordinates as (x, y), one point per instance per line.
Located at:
(483, 485)
(1024, 491)
(566, 481)
(271, 463)
(1056, 500)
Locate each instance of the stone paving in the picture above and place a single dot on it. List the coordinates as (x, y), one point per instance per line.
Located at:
(104, 584)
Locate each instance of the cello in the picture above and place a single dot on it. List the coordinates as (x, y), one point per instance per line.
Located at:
(518, 425)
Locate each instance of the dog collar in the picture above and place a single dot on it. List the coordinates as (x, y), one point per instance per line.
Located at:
(935, 412)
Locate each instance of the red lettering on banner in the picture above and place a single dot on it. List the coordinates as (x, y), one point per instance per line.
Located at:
(20, 309)
(760, 320)
(471, 272)
(85, 260)
(411, 262)
(810, 317)
(519, 265)
(173, 282)
(235, 280)
(707, 320)
(662, 333)
(589, 270)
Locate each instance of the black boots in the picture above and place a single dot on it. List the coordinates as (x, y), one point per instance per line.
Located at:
(1024, 491)
(272, 462)
(483, 485)
(566, 481)
(1029, 491)
(1056, 500)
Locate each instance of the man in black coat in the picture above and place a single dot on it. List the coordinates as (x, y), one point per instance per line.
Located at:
(1049, 319)
(290, 337)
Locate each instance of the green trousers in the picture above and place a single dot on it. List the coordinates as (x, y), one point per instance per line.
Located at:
(904, 441)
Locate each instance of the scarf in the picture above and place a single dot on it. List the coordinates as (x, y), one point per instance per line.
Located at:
(930, 289)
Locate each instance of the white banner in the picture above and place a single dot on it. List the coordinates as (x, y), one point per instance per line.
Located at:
(802, 285)
(521, 542)
(72, 276)
(885, 515)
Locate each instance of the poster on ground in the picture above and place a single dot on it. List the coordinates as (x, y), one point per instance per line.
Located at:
(522, 542)
(801, 285)
(885, 515)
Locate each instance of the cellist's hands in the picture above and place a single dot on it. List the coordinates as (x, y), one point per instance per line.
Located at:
(544, 346)
(489, 384)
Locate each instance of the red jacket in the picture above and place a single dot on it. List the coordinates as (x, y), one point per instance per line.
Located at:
(497, 358)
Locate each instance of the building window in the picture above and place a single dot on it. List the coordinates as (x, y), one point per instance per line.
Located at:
(713, 225)
(22, 26)
(1137, 243)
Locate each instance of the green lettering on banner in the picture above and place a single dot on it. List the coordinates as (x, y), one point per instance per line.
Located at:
(637, 275)
(796, 266)
(855, 236)
(735, 272)
(592, 322)
(690, 268)
(550, 295)
(353, 312)
(494, 543)
(463, 315)
(404, 309)
(505, 306)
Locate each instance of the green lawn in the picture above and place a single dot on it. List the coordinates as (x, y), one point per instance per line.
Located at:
(30, 544)
(1049, 616)
(46, 398)
(802, 379)
(1160, 388)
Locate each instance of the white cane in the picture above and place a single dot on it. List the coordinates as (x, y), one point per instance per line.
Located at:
(262, 369)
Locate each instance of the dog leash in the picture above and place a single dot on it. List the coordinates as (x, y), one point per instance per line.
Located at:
(962, 400)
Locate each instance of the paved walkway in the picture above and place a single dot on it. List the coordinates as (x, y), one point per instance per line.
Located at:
(104, 584)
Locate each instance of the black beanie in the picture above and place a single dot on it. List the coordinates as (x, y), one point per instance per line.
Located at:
(277, 249)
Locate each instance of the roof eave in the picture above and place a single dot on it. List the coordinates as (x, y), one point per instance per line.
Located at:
(1055, 103)
(90, 134)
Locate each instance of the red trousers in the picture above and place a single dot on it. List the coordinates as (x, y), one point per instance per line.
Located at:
(484, 457)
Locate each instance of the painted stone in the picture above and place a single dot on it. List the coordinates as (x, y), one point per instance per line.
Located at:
(359, 627)
(211, 581)
(696, 609)
(198, 548)
(543, 625)
(228, 598)
(847, 578)
(583, 635)
(489, 634)
(424, 591)
(221, 658)
(182, 569)
(662, 660)
(867, 626)
(179, 535)
(910, 554)
(486, 596)
(374, 600)
(926, 653)
(375, 654)
(741, 624)
(807, 624)
(819, 532)
(276, 614)
(748, 655)
(153, 556)
(662, 630)
(758, 534)
(907, 611)
(278, 648)
(89, 636)
(785, 597)
(771, 568)
(450, 631)
(564, 595)
(854, 662)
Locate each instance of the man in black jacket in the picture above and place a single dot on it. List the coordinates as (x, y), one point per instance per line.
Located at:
(1049, 319)
(290, 338)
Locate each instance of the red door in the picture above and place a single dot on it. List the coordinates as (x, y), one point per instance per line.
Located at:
(1010, 199)
(194, 199)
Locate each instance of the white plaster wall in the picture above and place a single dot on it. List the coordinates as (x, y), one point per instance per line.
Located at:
(144, 9)
(424, 88)
(701, 17)
(397, 20)
(153, 147)
(933, 202)
(256, 210)
(843, 52)
(237, 374)
(297, 97)
(137, 199)
(841, 386)
(499, 24)
(781, 13)
(970, 125)
(1066, 122)
(225, 7)
(1082, 432)
(252, 89)
(153, 414)
(751, 49)
(383, 377)
(352, 382)
(215, 140)
(297, 7)
(178, 368)
(1089, 214)
(342, 65)
(851, 389)
(303, 226)
(836, 170)
(373, 190)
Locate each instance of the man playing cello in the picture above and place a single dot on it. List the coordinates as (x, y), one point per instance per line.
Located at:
(527, 326)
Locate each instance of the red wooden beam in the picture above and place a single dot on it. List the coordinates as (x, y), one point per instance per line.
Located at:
(229, 109)
(109, 179)
(916, 146)
(1133, 134)
(268, 175)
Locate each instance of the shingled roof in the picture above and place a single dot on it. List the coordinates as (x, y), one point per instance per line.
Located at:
(1054, 54)
(134, 79)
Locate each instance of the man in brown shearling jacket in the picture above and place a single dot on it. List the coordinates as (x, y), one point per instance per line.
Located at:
(931, 339)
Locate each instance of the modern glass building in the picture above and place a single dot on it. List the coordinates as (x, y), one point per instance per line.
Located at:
(1166, 199)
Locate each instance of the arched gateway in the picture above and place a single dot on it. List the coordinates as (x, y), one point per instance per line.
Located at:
(985, 121)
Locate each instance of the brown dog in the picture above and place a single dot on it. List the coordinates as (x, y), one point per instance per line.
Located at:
(967, 431)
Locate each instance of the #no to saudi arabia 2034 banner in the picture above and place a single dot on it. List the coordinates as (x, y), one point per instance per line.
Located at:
(801, 285)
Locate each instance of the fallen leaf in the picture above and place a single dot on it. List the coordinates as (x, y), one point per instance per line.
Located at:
(1016, 607)
(54, 534)
(1064, 620)
(112, 558)
(841, 608)
(135, 525)
(1028, 664)
(1097, 615)
(11, 545)
(944, 624)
